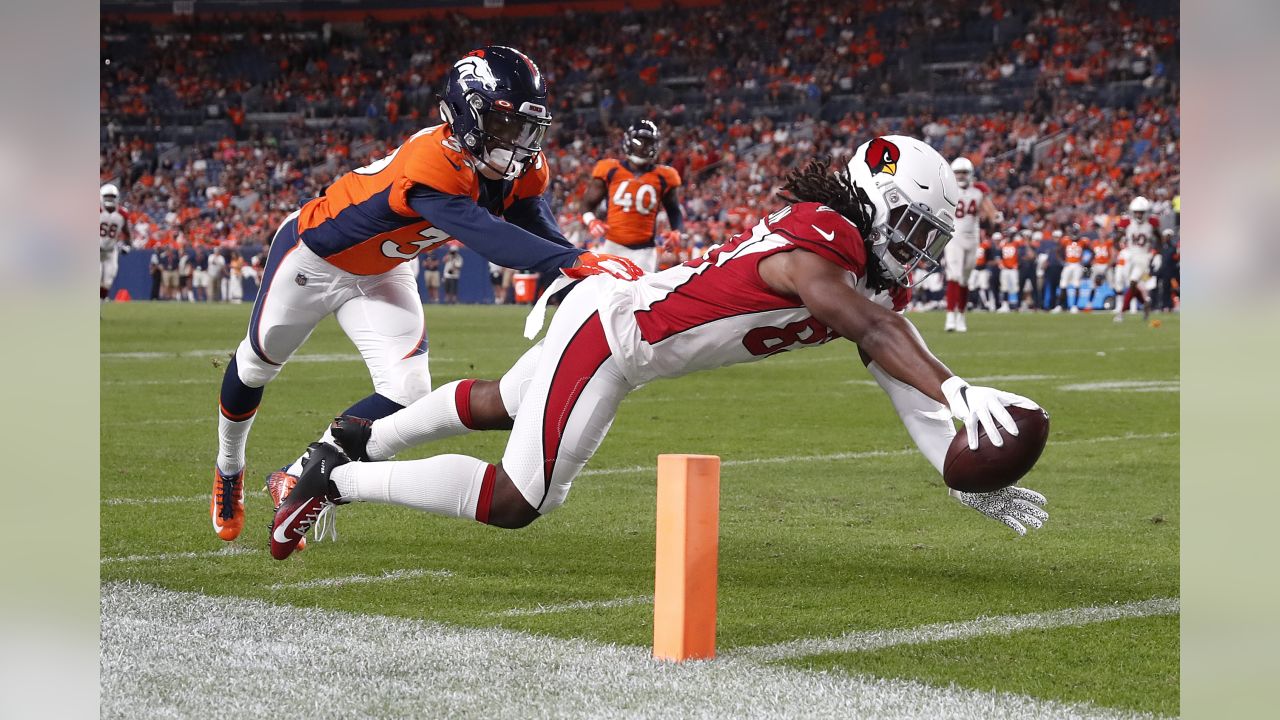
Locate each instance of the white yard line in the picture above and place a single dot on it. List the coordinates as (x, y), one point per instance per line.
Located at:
(228, 551)
(333, 582)
(1126, 386)
(225, 353)
(575, 606)
(983, 626)
(170, 500)
(175, 654)
(829, 457)
(975, 378)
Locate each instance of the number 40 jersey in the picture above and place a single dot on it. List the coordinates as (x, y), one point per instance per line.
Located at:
(716, 310)
(634, 200)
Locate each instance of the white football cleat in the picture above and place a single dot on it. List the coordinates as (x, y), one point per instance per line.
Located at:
(950, 324)
(961, 325)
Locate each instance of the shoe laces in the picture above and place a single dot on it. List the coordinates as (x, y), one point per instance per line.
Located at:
(326, 523)
(227, 496)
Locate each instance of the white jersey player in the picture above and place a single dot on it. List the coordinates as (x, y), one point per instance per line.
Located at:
(113, 236)
(973, 204)
(834, 264)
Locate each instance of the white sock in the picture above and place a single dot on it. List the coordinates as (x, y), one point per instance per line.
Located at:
(432, 417)
(446, 485)
(295, 468)
(232, 437)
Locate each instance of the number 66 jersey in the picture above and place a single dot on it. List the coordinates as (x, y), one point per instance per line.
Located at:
(716, 310)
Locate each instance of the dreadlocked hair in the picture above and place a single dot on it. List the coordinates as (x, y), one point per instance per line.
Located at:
(816, 183)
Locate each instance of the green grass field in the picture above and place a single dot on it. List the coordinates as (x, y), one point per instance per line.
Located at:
(820, 539)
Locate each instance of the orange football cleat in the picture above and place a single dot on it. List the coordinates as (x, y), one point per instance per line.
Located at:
(279, 485)
(226, 508)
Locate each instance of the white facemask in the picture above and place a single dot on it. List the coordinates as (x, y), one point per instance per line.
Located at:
(497, 162)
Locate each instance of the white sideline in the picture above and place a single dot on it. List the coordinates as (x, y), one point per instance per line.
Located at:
(176, 654)
(576, 605)
(333, 582)
(983, 626)
(228, 551)
(726, 463)
(226, 353)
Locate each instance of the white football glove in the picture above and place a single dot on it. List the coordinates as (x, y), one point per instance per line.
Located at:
(1014, 506)
(976, 406)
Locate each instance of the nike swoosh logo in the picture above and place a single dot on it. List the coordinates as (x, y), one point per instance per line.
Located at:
(826, 235)
(922, 187)
(454, 164)
(279, 534)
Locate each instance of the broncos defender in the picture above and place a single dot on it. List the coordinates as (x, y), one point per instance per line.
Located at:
(113, 237)
(962, 251)
(833, 264)
(477, 178)
(634, 189)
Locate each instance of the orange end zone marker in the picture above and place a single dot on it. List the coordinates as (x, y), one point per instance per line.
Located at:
(684, 584)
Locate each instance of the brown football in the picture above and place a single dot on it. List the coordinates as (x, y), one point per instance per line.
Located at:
(990, 468)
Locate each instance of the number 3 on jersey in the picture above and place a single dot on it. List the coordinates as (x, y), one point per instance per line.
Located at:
(644, 201)
(406, 250)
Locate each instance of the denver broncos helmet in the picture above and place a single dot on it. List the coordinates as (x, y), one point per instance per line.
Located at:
(915, 194)
(495, 101)
(640, 143)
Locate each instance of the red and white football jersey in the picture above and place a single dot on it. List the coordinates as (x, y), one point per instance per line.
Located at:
(968, 208)
(716, 310)
(113, 229)
(1144, 232)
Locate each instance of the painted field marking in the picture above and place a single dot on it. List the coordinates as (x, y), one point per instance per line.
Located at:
(170, 500)
(980, 627)
(575, 606)
(1126, 386)
(158, 660)
(226, 353)
(829, 457)
(977, 378)
(388, 576)
(228, 551)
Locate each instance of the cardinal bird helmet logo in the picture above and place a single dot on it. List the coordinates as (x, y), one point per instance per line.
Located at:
(882, 156)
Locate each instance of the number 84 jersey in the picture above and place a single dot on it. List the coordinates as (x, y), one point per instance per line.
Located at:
(716, 310)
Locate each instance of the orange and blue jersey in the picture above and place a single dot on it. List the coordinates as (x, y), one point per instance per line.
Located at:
(425, 194)
(633, 200)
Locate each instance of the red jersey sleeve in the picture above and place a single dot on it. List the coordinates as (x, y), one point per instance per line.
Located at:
(826, 233)
(1155, 222)
(982, 187)
(1122, 223)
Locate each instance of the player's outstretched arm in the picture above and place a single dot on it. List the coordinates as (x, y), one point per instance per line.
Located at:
(591, 199)
(885, 336)
(890, 340)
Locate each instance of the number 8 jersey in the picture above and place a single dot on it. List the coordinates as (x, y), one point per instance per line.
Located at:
(716, 310)
(634, 200)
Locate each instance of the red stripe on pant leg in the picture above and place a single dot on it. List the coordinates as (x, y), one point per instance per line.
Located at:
(579, 361)
(962, 302)
(486, 494)
(233, 417)
(462, 400)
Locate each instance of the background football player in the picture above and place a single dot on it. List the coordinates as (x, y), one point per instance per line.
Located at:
(113, 237)
(973, 204)
(477, 178)
(835, 263)
(633, 189)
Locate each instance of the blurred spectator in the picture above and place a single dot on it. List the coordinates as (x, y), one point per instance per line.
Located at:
(452, 272)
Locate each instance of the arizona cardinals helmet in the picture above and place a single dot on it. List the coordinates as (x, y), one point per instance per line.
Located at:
(1139, 208)
(109, 196)
(640, 143)
(915, 194)
(963, 170)
(495, 101)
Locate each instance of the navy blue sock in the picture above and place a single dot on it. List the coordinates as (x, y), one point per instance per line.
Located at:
(374, 407)
(237, 401)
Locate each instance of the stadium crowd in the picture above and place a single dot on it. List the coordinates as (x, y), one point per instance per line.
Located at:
(742, 93)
